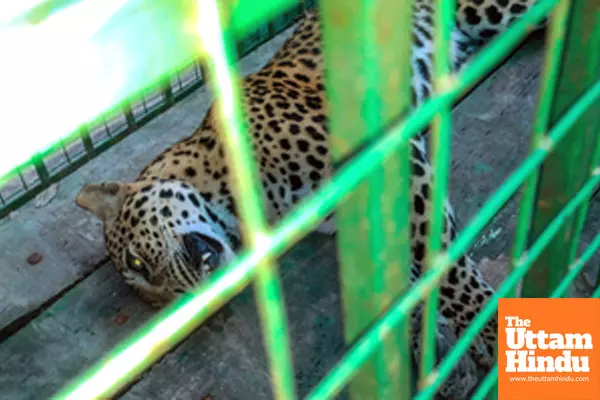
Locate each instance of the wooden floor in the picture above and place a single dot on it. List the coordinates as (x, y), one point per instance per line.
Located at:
(59, 316)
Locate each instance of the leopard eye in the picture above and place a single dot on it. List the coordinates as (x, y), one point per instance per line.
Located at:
(134, 262)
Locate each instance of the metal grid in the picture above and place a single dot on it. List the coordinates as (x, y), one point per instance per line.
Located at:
(565, 135)
(26, 181)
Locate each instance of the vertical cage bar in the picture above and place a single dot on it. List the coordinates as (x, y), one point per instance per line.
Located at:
(368, 87)
(440, 159)
(22, 178)
(582, 213)
(487, 385)
(215, 36)
(63, 147)
(144, 105)
(40, 168)
(88, 145)
(567, 168)
(576, 267)
(167, 91)
(129, 117)
(553, 56)
(522, 268)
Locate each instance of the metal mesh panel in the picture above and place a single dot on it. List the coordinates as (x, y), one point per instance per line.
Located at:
(107, 130)
(567, 117)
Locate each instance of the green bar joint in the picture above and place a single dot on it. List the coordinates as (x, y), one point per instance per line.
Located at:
(381, 98)
(488, 383)
(520, 270)
(567, 168)
(553, 53)
(576, 268)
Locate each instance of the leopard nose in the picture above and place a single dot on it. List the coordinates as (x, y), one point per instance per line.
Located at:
(202, 251)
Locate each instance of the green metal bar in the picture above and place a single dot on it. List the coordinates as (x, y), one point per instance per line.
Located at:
(248, 15)
(218, 48)
(553, 55)
(564, 172)
(488, 383)
(582, 213)
(491, 379)
(160, 27)
(491, 55)
(84, 135)
(40, 168)
(440, 159)
(331, 384)
(596, 293)
(576, 267)
(369, 87)
(22, 178)
(521, 269)
(596, 165)
(173, 323)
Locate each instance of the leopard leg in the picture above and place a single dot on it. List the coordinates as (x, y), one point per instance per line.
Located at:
(463, 379)
(463, 290)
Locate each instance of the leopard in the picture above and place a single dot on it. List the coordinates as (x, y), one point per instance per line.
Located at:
(177, 222)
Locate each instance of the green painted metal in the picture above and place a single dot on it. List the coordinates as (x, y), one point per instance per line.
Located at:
(370, 89)
(553, 53)
(144, 29)
(440, 160)
(568, 167)
(370, 126)
(488, 384)
(214, 29)
(575, 269)
(520, 270)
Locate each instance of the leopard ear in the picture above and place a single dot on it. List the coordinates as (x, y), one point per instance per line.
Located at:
(104, 199)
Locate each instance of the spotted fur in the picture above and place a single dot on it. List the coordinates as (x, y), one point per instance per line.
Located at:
(177, 222)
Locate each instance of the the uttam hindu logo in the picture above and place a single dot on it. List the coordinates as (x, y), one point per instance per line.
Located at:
(522, 343)
(549, 349)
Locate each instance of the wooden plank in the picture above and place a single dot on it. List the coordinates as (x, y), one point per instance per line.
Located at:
(68, 336)
(224, 357)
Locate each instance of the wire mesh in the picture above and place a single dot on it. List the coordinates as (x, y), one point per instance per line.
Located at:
(347, 178)
(213, 31)
(264, 245)
(566, 169)
(58, 162)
